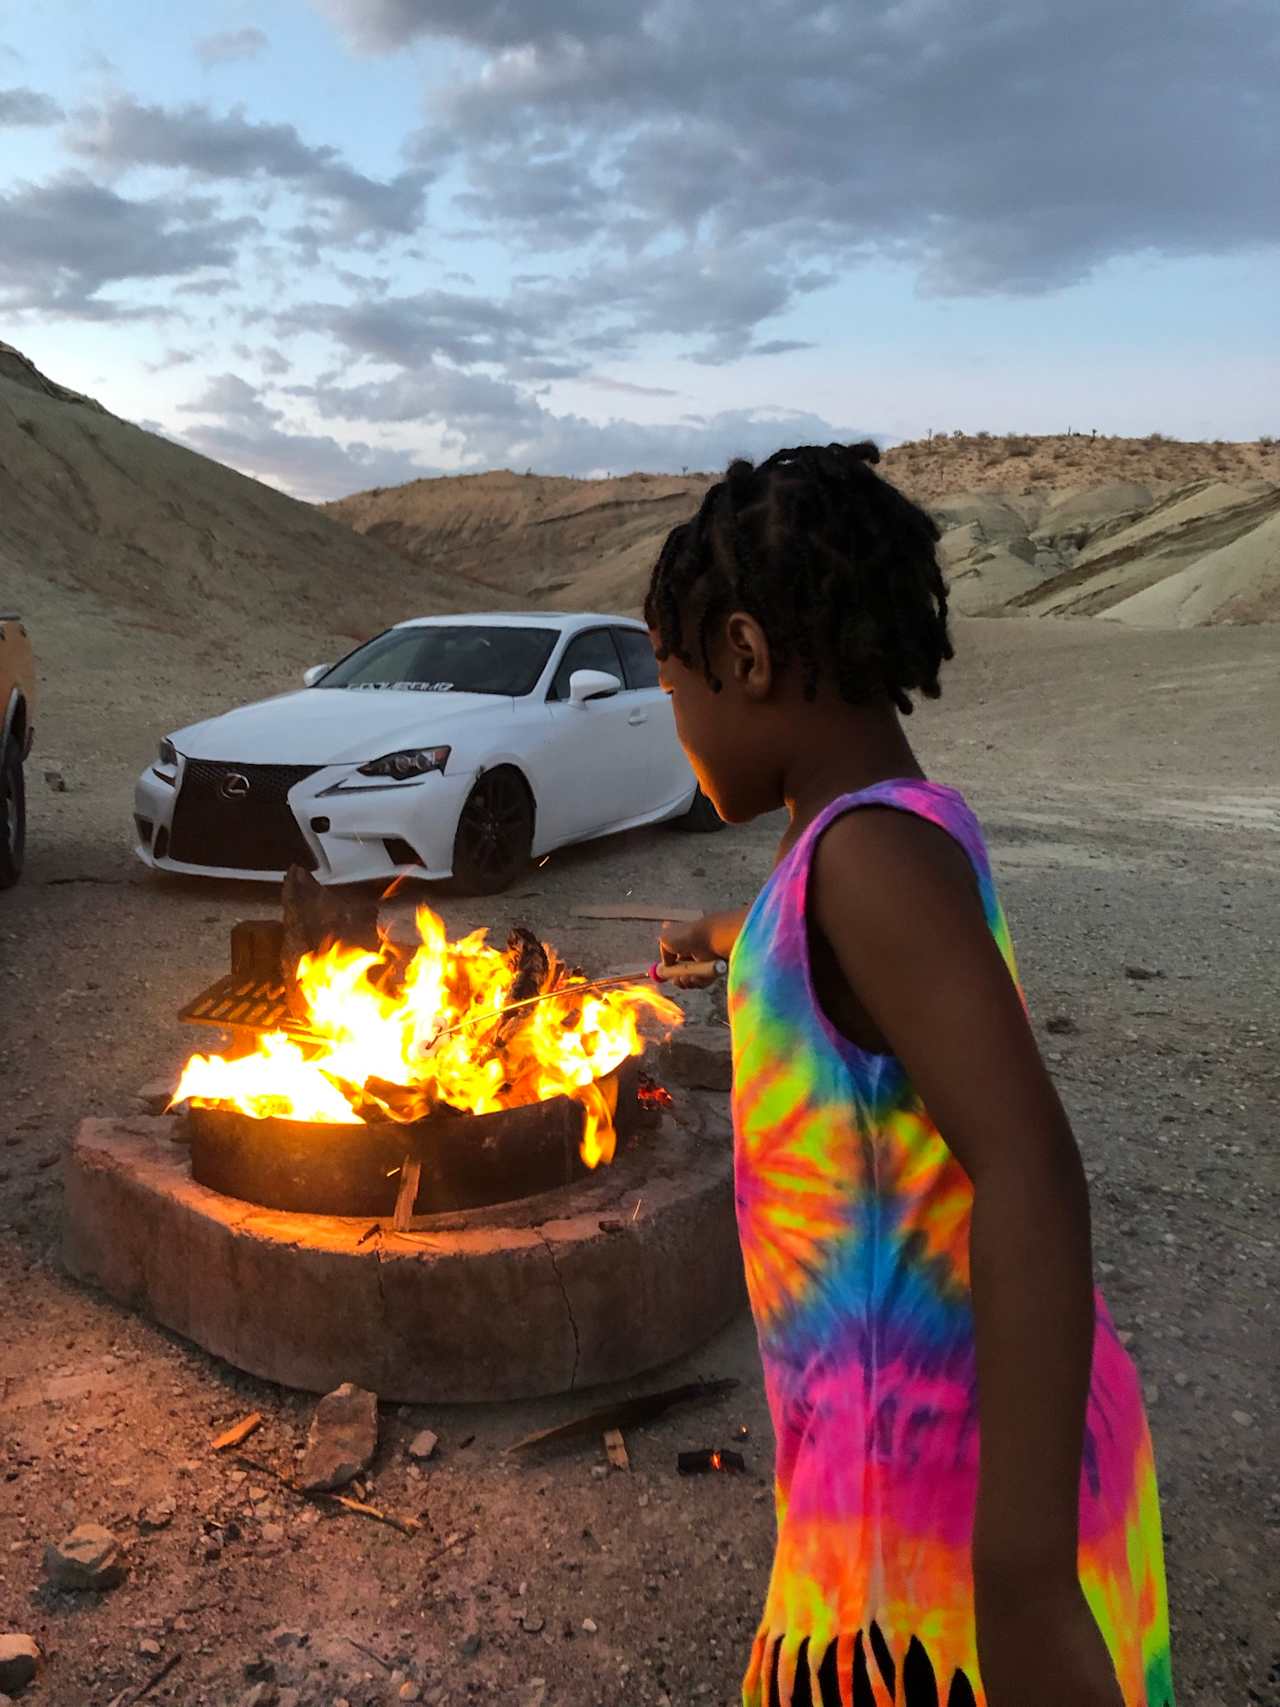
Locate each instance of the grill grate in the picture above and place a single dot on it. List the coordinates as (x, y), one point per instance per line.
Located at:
(250, 830)
(253, 1005)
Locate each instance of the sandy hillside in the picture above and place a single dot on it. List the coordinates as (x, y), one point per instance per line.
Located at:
(104, 526)
(1053, 526)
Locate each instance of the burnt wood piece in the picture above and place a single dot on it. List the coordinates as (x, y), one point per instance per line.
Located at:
(471, 1160)
(528, 959)
(314, 919)
(256, 949)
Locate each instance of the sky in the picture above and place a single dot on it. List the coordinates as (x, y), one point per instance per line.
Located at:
(345, 243)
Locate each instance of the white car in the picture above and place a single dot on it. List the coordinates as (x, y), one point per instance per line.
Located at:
(455, 746)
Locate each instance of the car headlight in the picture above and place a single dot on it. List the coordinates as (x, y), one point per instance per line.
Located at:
(166, 765)
(168, 754)
(415, 761)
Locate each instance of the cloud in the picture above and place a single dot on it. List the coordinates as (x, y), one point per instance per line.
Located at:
(992, 149)
(382, 25)
(249, 434)
(173, 358)
(27, 107)
(69, 239)
(602, 382)
(124, 134)
(230, 47)
(492, 423)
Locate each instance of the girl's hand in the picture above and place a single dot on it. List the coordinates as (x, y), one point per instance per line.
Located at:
(1049, 1651)
(709, 938)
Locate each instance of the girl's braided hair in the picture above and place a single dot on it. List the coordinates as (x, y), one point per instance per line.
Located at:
(836, 565)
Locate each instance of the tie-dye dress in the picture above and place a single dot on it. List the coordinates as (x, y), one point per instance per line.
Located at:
(854, 1220)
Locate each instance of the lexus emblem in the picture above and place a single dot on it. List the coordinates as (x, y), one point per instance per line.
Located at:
(233, 786)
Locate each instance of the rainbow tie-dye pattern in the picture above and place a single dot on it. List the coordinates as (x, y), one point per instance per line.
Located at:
(854, 1221)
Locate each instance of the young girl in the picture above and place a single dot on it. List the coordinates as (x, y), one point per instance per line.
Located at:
(966, 1497)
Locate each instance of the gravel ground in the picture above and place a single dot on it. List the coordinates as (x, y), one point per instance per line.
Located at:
(1127, 784)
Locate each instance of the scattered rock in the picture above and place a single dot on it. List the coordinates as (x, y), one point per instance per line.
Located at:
(1061, 1025)
(590, 1626)
(697, 1058)
(273, 1533)
(149, 1648)
(285, 1636)
(155, 1096)
(424, 1445)
(1142, 974)
(533, 1623)
(160, 1515)
(1242, 1418)
(261, 1695)
(471, 1645)
(89, 1558)
(56, 779)
(19, 1662)
(599, 1471)
(342, 1440)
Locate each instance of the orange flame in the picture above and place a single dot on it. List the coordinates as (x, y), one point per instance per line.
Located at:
(382, 1022)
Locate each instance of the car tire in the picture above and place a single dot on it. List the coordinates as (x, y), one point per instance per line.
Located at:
(701, 819)
(13, 814)
(494, 839)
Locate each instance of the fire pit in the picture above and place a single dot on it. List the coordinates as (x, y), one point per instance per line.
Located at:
(435, 1169)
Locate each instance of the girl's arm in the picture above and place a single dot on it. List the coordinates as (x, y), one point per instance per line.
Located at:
(709, 938)
(896, 899)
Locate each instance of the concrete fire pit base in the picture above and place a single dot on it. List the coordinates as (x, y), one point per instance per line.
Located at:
(595, 1282)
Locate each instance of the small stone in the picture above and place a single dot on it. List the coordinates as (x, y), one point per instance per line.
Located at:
(471, 1645)
(55, 779)
(535, 1692)
(600, 1471)
(19, 1662)
(1242, 1418)
(285, 1636)
(273, 1533)
(160, 1515)
(424, 1445)
(409, 1691)
(342, 1439)
(1181, 1379)
(1141, 974)
(533, 1622)
(89, 1558)
(289, 1698)
(260, 1695)
(1061, 1025)
(149, 1648)
(590, 1626)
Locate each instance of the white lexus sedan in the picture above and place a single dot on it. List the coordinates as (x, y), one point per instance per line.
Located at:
(454, 746)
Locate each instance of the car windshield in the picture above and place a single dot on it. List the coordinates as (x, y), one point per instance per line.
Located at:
(465, 659)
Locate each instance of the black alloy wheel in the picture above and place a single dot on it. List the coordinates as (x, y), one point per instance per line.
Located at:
(702, 818)
(495, 834)
(13, 814)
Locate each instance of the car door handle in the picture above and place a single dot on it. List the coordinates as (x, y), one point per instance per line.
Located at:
(638, 717)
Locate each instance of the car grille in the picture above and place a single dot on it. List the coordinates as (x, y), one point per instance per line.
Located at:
(254, 830)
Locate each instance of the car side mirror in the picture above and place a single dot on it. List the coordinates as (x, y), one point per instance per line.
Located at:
(585, 685)
(312, 676)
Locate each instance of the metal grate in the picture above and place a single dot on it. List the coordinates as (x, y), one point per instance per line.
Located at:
(238, 817)
(245, 1004)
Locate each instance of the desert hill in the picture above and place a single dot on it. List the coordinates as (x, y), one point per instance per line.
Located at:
(1155, 532)
(101, 520)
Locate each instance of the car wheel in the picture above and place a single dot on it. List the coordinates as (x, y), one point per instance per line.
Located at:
(13, 815)
(701, 818)
(494, 838)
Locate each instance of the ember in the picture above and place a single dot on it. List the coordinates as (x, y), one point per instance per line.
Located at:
(649, 1094)
(396, 1034)
(700, 1463)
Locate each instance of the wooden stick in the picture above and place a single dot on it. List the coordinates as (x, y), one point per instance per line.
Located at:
(448, 1547)
(237, 1433)
(648, 915)
(406, 1197)
(616, 1449)
(127, 1697)
(406, 1525)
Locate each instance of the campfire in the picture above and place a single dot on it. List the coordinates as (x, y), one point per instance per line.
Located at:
(434, 1029)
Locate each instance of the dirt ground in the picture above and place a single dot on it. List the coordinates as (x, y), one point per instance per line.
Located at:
(1127, 782)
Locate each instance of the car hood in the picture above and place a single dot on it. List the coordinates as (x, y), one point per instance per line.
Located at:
(335, 726)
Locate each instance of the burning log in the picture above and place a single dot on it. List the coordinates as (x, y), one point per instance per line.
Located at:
(316, 918)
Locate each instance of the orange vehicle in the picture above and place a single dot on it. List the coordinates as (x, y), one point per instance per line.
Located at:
(17, 711)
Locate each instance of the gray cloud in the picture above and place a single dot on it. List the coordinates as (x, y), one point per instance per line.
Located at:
(125, 133)
(602, 382)
(230, 46)
(380, 25)
(27, 107)
(991, 148)
(488, 422)
(247, 433)
(67, 240)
